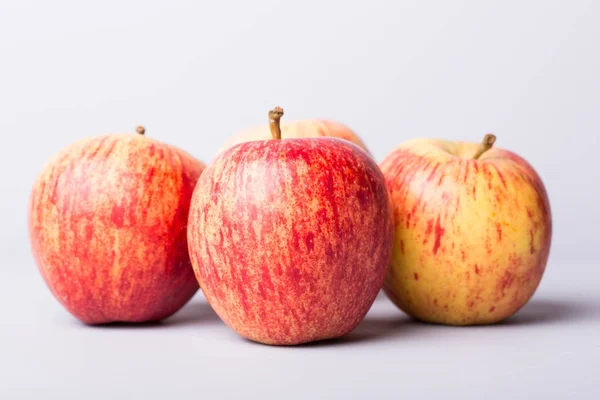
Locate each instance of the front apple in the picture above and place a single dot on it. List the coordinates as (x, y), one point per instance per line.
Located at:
(107, 223)
(473, 231)
(290, 238)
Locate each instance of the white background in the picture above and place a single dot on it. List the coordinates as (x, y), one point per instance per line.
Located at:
(193, 73)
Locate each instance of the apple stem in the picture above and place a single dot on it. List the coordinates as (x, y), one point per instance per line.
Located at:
(486, 144)
(274, 117)
(140, 129)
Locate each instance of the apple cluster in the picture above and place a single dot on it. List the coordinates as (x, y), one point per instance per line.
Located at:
(291, 231)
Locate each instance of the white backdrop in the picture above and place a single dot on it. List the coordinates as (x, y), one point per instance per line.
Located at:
(195, 72)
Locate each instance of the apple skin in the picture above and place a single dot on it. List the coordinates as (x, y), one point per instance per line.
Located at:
(472, 236)
(299, 129)
(290, 239)
(107, 225)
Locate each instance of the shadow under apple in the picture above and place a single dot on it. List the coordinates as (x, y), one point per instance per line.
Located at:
(400, 326)
(390, 325)
(373, 329)
(196, 312)
(549, 311)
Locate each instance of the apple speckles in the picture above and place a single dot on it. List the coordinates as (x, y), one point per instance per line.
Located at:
(488, 175)
(489, 249)
(428, 231)
(506, 281)
(408, 217)
(466, 174)
(117, 215)
(529, 214)
(416, 276)
(501, 176)
(99, 145)
(294, 277)
(432, 173)
(89, 234)
(310, 241)
(497, 197)
(492, 309)
(439, 232)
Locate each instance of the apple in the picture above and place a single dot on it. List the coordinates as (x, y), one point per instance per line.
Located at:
(107, 224)
(290, 238)
(298, 129)
(473, 231)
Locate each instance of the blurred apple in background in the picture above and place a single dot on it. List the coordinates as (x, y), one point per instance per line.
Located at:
(473, 231)
(298, 129)
(290, 239)
(107, 223)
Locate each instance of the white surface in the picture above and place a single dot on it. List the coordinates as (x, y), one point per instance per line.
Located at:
(549, 350)
(195, 72)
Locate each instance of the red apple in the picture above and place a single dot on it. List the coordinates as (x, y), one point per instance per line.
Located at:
(107, 223)
(473, 231)
(290, 238)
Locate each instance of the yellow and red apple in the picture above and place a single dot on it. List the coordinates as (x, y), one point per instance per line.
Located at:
(290, 239)
(107, 223)
(472, 231)
(311, 128)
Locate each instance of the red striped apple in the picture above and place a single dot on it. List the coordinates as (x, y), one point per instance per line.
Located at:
(299, 129)
(473, 231)
(107, 223)
(290, 238)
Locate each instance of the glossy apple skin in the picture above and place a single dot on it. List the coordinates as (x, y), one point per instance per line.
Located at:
(290, 239)
(297, 130)
(107, 224)
(472, 236)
